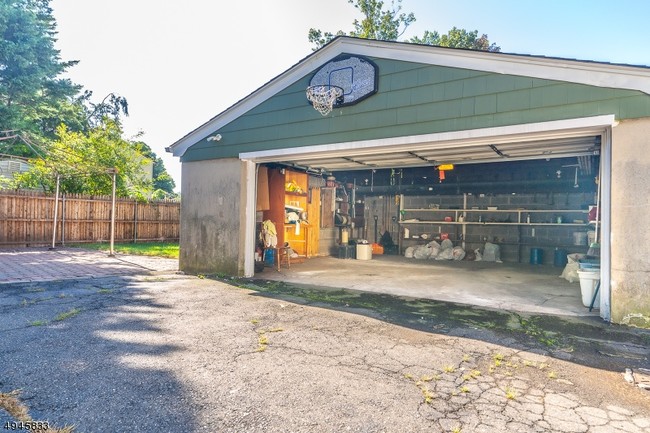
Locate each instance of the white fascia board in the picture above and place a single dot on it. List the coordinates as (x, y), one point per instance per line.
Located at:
(260, 95)
(574, 71)
(501, 134)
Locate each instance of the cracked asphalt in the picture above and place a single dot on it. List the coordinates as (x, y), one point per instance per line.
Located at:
(176, 353)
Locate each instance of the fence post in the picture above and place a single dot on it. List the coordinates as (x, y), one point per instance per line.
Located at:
(135, 222)
(56, 211)
(63, 220)
(112, 249)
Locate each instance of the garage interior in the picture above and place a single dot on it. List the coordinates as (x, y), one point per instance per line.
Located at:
(531, 197)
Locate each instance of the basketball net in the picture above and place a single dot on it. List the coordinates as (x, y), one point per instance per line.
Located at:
(323, 97)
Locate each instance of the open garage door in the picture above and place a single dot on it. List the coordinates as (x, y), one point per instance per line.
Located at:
(578, 142)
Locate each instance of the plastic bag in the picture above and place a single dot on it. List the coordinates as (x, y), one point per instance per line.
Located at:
(446, 254)
(435, 249)
(422, 252)
(458, 253)
(477, 255)
(570, 272)
(447, 244)
(491, 253)
(408, 253)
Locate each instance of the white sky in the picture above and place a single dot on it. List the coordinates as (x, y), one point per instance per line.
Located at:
(181, 63)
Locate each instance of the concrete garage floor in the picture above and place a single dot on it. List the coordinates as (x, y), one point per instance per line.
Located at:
(502, 286)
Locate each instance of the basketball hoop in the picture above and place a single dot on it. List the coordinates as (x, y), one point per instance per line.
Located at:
(324, 96)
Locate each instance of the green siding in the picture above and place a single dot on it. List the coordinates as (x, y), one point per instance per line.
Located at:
(417, 99)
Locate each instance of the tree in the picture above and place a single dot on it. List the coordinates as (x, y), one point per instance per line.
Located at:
(163, 183)
(377, 23)
(389, 24)
(82, 160)
(33, 99)
(45, 117)
(457, 38)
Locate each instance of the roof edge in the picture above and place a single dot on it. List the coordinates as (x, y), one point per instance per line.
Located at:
(569, 70)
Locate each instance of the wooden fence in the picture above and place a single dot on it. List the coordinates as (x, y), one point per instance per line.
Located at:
(27, 218)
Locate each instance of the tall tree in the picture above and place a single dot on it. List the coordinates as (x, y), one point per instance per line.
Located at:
(390, 23)
(33, 99)
(55, 121)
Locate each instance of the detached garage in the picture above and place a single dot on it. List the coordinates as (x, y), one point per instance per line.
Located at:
(367, 139)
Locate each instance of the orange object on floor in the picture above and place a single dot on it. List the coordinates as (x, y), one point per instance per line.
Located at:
(377, 249)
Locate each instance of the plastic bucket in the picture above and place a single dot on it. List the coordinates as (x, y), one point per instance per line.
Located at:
(536, 256)
(560, 258)
(588, 282)
(364, 252)
(269, 256)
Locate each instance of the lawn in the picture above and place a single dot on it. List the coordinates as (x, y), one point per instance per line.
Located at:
(160, 249)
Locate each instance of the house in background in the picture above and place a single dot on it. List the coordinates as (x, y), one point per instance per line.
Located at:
(404, 107)
(11, 165)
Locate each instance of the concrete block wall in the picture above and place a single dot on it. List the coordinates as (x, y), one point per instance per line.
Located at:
(515, 241)
(212, 215)
(630, 232)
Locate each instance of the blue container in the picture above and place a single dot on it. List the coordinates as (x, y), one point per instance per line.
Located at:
(536, 256)
(560, 258)
(269, 256)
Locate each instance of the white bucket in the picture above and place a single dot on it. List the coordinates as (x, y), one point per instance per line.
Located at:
(364, 252)
(579, 238)
(588, 282)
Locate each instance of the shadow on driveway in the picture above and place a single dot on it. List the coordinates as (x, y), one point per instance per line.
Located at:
(75, 346)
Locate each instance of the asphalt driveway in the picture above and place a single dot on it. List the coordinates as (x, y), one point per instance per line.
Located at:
(173, 353)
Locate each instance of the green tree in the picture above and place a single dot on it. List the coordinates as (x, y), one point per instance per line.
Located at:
(457, 38)
(33, 99)
(377, 23)
(35, 102)
(83, 161)
(163, 183)
(390, 23)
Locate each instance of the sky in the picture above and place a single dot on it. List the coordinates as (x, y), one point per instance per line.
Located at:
(180, 63)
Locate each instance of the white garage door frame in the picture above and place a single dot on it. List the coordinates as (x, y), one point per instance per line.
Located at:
(584, 126)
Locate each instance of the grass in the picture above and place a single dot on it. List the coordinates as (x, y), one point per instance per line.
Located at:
(67, 315)
(38, 323)
(160, 249)
(10, 403)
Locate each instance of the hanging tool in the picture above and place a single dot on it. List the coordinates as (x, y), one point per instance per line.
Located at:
(376, 218)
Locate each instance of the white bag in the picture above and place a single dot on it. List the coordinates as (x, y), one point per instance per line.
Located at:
(445, 254)
(491, 253)
(422, 252)
(458, 253)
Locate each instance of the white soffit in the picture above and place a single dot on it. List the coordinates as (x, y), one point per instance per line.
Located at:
(575, 71)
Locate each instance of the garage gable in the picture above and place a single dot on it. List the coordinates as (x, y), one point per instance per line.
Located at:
(412, 98)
